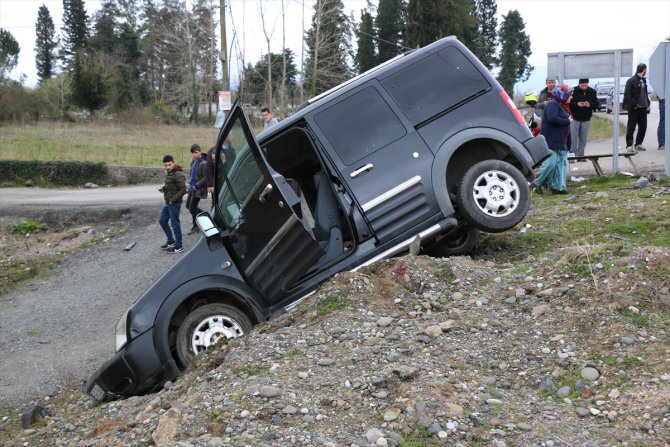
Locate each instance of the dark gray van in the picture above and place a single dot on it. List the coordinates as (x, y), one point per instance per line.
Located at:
(424, 150)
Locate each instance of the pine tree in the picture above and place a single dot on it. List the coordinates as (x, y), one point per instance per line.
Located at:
(45, 45)
(488, 32)
(514, 52)
(390, 27)
(9, 52)
(90, 89)
(328, 47)
(75, 31)
(430, 20)
(365, 54)
(105, 32)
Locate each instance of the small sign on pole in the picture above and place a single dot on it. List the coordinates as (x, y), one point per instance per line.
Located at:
(225, 102)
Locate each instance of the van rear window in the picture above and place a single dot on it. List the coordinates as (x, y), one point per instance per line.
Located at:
(434, 84)
(360, 125)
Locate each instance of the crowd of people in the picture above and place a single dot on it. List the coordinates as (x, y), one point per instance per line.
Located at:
(565, 119)
(195, 185)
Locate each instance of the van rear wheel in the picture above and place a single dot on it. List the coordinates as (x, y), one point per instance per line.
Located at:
(458, 242)
(205, 326)
(493, 196)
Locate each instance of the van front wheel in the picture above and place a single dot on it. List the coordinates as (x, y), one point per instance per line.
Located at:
(205, 326)
(493, 196)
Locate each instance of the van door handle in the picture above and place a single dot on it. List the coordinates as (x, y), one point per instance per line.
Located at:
(267, 190)
(361, 170)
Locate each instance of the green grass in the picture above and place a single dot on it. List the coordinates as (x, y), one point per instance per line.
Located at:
(638, 319)
(114, 144)
(251, 370)
(601, 128)
(26, 226)
(329, 304)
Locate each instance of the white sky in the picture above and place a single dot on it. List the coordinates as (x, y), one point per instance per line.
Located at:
(553, 26)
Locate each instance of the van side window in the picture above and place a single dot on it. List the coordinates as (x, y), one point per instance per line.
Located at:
(360, 125)
(434, 84)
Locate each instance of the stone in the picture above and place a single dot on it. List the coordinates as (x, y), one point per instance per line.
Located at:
(289, 409)
(29, 183)
(90, 185)
(433, 331)
(546, 384)
(582, 412)
(384, 321)
(564, 391)
(614, 394)
(454, 410)
(628, 340)
(594, 411)
(251, 390)
(406, 372)
(434, 428)
(589, 373)
(32, 413)
(546, 292)
(269, 391)
(457, 296)
(392, 414)
(168, 427)
(525, 426)
(445, 326)
(372, 435)
(326, 362)
(540, 310)
(510, 300)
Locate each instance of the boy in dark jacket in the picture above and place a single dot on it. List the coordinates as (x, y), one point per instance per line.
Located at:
(584, 102)
(173, 192)
(197, 184)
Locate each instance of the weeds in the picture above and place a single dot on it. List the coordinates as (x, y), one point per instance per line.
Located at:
(329, 304)
(26, 226)
(251, 370)
(638, 319)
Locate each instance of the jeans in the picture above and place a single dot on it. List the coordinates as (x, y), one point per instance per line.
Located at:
(660, 133)
(192, 202)
(636, 117)
(171, 213)
(579, 130)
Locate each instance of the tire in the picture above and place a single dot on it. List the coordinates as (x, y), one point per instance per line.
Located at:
(458, 242)
(493, 196)
(608, 111)
(207, 324)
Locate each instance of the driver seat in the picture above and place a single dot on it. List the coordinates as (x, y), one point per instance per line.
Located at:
(327, 225)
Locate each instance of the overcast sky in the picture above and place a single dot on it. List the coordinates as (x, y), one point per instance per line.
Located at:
(553, 26)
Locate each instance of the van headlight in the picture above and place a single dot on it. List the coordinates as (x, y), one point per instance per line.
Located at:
(121, 334)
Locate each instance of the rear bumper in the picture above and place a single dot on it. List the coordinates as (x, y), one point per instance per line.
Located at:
(135, 369)
(538, 149)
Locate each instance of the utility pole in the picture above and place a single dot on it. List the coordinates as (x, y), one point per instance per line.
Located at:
(224, 46)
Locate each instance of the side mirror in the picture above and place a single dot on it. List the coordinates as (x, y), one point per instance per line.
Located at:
(206, 224)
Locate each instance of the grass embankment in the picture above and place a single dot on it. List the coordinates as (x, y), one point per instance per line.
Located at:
(602, 128)
(114, 144)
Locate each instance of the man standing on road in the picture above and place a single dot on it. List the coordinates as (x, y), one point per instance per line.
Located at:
(546, 94)
(636, 101)
(173, 193)
(268, 119)
(584, 102)
(197, 184)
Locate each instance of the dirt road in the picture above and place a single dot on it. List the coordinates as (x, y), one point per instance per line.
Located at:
(56, 331)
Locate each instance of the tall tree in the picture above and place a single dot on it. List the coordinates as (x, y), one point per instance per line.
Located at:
(90, 89)
(430, 20)
(105, 32)
(514, 51)
(9, 52)
(488, 32)
(328, 47)
(390, 26)
(45, 45)
(365, 54)
(75, 31)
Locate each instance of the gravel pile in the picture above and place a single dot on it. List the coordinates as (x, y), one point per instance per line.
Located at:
(416, 351)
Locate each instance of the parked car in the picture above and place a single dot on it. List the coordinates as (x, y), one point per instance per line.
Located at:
(601, 93)
(426, 149)
(609, 102)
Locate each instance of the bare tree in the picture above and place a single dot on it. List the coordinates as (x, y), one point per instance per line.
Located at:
(268, 37)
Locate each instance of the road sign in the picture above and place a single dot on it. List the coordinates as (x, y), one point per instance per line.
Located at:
(225, 102)
(589, 64)
(659, 69)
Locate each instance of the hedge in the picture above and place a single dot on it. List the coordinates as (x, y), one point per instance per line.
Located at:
(69, 173)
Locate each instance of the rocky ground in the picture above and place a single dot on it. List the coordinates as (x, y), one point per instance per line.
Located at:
(544, 338)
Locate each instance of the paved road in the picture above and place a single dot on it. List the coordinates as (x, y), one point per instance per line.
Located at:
(120, 195)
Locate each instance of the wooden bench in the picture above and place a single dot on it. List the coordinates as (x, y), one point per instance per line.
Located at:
(594, 160)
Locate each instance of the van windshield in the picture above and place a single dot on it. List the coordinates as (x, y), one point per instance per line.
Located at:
(237, 174)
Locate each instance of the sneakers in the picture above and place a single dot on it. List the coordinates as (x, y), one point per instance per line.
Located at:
(630, 149)
(194, 230)
(173, 249)
(639, 147)
(167, 246)
(661, 147)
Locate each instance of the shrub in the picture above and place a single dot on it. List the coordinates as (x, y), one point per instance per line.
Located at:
(65, 173)
(26, 226)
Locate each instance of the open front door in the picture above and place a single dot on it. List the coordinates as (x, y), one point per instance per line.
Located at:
(271, 244)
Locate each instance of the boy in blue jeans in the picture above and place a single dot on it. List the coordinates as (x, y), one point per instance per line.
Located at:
(173, 192)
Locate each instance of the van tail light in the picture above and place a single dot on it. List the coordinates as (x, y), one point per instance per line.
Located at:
(512, 107)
